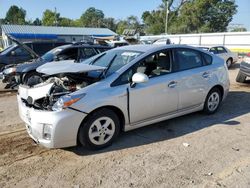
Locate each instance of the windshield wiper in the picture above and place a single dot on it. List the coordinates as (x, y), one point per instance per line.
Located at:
(108, 67)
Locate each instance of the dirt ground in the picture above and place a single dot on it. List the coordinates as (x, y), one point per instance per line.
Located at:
(217, 153)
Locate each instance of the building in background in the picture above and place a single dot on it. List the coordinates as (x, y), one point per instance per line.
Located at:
(48, 33)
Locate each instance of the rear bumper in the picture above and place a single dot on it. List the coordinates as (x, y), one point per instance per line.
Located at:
(64, 125)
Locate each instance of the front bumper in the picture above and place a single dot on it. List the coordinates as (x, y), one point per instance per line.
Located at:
(65, 125)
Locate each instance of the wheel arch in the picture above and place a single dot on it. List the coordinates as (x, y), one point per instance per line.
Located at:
(220, 87)
(115, 109)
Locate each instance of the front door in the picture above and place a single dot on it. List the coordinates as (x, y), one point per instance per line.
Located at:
(157, 97)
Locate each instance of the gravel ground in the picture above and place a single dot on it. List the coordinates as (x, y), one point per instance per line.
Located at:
(216, 153)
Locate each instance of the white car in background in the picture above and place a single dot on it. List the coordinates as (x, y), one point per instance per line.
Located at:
(224, 53)
(162, 41)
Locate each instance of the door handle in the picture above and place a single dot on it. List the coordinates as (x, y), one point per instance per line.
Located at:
(172, 84)
(206, 75)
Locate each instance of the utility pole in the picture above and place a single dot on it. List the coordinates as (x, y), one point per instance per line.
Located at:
(55, 17)
(166, 24)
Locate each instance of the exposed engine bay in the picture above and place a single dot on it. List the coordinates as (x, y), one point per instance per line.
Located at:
(44, 95)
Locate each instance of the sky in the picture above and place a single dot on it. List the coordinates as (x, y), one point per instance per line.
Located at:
(117, 9)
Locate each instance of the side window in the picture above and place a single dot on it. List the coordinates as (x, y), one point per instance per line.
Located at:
(187, 59)
(68, 54)
(87, 52)
(213, 50)
(221, 50)
(21, 52)
(154, 65)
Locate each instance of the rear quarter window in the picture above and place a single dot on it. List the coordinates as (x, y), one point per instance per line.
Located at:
(207, 59)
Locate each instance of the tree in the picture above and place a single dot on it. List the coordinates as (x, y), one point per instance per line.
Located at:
(92, 18)
(15, 15)
(131, 22)
(109, 23)
(191, 16)
(238, 29)
(37, 21)
(66, 22)
(121, 25)
(50, 18)
(206, 15)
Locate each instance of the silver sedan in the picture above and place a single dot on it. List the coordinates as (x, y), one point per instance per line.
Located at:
(120, 90)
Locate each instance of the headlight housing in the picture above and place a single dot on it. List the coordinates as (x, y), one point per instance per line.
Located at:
(66, 101)
(11, 70)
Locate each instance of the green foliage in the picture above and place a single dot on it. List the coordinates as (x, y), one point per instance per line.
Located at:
(191, 16)
(15, 15)
(66, 22)
(109, 23)
(121, 25)
(37, 21)
(50, 18)
(184, 16)
(92, 18)
(131, 22)
(239, 29)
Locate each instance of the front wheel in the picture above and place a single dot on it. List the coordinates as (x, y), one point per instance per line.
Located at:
(213, 101)
(100, 129)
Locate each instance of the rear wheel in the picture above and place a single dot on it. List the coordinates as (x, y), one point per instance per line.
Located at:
(100, 129)
(229, 62)
(32, 78)
(241, 77)
(213, 101)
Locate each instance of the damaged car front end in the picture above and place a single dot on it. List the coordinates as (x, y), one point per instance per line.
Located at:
(47, 107)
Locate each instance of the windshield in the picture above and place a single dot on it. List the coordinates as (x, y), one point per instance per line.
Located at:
(114, 59)
(49, 56)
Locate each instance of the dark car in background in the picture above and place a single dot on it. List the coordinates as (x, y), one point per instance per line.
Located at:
(17, 53)
(244, 71)
(26, 73)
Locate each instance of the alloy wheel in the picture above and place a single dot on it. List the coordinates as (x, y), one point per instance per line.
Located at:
(213, 101)
(101, 130)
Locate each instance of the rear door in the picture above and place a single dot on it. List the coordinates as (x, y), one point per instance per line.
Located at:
(194, 71)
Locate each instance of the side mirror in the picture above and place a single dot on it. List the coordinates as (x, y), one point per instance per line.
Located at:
(139, 78)
(13, 53)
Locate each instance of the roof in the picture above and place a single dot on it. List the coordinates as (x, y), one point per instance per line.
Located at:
(149, 48)
(51, 30)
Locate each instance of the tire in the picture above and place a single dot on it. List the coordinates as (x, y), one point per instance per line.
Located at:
(1, 67)
(99, 130)
(241, 77)
(213, 101)
(32, 78)
(229, 62)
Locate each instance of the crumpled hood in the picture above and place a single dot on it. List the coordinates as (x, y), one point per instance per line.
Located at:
(67, 66)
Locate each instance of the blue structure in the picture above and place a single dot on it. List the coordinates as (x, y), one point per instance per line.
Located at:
(67, 34)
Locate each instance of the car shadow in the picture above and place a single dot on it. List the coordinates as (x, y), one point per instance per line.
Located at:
(235, 105)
